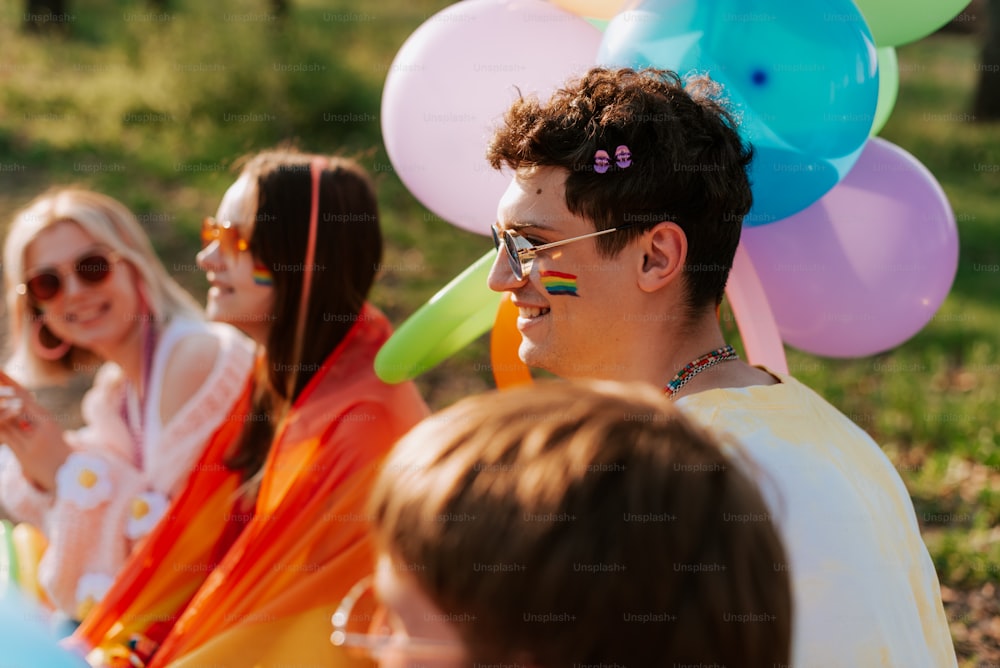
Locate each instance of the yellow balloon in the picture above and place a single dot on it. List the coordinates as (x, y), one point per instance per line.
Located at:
(592, 9)
(29, 545)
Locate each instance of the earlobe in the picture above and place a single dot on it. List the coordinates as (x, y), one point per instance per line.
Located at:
(664, 254)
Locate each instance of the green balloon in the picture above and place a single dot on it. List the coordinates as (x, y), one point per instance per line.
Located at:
(8, 558)
(888, 87)
(896, 22)
(457, 315)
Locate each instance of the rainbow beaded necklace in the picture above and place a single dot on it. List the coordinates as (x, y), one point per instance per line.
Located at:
(696, 366)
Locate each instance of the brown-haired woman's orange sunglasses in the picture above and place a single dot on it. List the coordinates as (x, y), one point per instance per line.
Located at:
(226, 233)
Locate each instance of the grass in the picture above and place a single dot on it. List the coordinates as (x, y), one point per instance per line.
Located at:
(937, 415)
(154, 111)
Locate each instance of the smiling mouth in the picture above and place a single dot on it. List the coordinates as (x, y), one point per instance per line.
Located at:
(531, 312)
(88, 315)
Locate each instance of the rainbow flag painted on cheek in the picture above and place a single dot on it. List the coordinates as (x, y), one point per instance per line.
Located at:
(559, 283)
(261, 276)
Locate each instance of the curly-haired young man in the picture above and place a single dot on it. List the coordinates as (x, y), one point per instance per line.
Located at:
(616, 238)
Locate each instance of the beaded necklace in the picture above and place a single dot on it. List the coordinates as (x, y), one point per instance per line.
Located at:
(696, 366)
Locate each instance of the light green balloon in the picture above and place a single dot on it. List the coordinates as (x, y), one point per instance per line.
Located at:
(457, 315)
(8, 558)
(888, 87)
(896, 22)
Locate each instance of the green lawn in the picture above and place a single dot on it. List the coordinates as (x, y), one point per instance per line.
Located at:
(153, 111)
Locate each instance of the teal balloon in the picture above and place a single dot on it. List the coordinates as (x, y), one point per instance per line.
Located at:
(25, 638)
(801, 78)
(888, 87)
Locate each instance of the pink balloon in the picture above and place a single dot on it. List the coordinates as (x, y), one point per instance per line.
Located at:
(754, 318)
(865, 267)
(450, 84)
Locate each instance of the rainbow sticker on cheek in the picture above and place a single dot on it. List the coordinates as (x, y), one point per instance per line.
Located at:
(261, 275)
(558, 283)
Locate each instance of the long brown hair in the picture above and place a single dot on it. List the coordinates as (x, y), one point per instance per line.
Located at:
(347, 255)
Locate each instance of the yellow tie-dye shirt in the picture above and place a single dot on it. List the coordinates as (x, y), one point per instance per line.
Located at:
(864, 587)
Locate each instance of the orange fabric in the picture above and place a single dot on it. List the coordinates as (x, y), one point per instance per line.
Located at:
(166, 570)
(270, 599)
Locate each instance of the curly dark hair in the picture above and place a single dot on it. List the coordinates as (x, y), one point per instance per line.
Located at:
(689, 164)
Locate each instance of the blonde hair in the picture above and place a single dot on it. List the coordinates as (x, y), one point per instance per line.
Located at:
(581, 504)
(110, 223)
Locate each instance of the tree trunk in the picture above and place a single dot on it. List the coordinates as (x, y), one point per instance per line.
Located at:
(46, 15)
(987, 103)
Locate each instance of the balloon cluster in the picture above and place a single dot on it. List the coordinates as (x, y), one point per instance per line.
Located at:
(850, 246)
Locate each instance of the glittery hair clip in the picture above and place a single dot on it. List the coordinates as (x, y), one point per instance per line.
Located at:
(602, 161)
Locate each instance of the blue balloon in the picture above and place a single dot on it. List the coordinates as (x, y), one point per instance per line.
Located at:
(25, 638)
(801, 77)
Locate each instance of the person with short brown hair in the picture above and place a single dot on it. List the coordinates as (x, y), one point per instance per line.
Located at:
(574, 524)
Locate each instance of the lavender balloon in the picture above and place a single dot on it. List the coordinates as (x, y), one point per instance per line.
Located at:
(868, 265)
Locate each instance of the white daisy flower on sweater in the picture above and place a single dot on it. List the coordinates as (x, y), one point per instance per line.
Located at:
(145, 511)
(84, 480)
(90, 589)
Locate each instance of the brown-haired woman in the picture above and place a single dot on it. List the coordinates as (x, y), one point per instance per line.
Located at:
(290, 256)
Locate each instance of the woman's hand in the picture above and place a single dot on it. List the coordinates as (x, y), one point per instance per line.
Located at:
(32, 434)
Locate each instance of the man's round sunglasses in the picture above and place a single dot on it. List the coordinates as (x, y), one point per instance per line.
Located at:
(91, 268)
(521, 253)
(226, 233)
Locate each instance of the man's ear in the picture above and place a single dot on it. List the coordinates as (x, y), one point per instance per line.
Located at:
(664, 252)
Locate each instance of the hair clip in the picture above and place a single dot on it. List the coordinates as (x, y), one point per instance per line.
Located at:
(623, 157)
(602, 161)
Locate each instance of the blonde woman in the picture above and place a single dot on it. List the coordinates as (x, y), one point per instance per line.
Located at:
(84, 287)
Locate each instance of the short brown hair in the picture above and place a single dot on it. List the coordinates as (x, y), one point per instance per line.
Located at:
(689, 164)
(598, 508)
